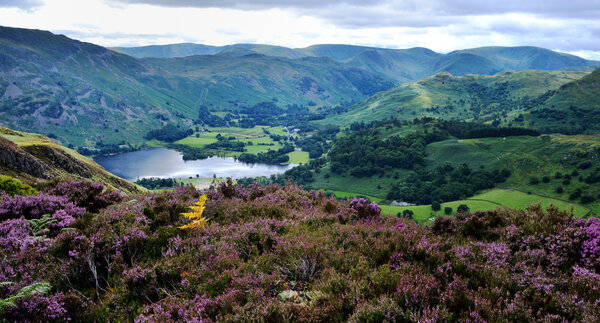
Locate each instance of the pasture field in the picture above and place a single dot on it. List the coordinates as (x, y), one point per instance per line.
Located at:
(261, 142)
(297, 157)
(345, 195)
(520, 200)
(424, 213)
(369, 186)
(488, 200)
(198, 142)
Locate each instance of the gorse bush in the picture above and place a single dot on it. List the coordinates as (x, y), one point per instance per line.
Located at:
(11, 187)
(279, 253)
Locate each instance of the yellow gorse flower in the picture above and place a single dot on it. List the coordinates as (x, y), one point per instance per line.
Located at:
(198, 221)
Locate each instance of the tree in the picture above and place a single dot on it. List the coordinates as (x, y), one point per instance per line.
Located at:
(462, 208)
(447, 210)
(534, 180)
(436, 206)
(408, 213)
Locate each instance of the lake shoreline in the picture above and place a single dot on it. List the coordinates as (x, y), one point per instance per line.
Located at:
(160, 162)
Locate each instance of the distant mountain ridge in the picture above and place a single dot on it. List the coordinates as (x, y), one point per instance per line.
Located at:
(399, 65)
(85, 94)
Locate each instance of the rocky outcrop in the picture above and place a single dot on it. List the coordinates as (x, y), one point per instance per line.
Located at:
(34, 158)
(57, 158)
(14, 158)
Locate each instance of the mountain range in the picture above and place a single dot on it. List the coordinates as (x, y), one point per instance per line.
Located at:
(399, 65)
(86, 95)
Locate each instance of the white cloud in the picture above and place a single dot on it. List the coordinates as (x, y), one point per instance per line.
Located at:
(387, 23)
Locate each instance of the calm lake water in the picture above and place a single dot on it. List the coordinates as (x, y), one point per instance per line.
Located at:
(162, 162)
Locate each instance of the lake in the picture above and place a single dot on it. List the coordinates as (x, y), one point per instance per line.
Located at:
(166, 163)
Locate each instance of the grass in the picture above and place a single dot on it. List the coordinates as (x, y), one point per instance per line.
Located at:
(346, 195)
(298, 157)
(525, 157)
(261, 142)
(198, 142)
(369, 186)
(488, 200)
(424, 213)
(520, 200)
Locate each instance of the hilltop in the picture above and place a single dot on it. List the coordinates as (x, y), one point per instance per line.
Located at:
(36, 159)
(499, 98)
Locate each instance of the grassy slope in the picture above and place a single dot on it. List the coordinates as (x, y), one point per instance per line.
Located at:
(455, 96)
(524, 157)
(582, 95)
(23, 140)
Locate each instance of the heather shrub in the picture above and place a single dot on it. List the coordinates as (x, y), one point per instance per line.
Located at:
(91, 195)
(270, 253)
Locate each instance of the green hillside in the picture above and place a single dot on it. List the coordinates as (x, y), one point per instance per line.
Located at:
(37, 159)
(424, 161)
(78, 92)
(501, 97)
(83, 94)
(527, 58)
(228, 81)
(573, 108)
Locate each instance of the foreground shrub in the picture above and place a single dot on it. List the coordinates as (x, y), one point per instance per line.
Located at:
(273, 253)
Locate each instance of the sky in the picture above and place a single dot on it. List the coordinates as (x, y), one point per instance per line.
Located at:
(571, 26)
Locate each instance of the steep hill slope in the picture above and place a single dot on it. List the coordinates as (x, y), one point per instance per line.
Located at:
(227, 81)
(36, 158)
(500, 97)
(573, 108)
(79, 91)
(84, 94)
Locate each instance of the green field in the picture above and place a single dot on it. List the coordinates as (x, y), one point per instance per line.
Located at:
(298, 157)
(261, 142)
(520, 200)
(345, 195)
(488, 200)
(368, 186)
(424, 213)
(198, 142)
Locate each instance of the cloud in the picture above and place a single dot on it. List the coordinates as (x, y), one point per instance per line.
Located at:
(21, 4)
(398, 13)
(250, 4)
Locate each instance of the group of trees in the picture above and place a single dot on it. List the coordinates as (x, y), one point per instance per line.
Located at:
(227, 144)
(270, 157)
(444, 183)
(365, 152)
(156, 183)
(464, 130)
(168, 133)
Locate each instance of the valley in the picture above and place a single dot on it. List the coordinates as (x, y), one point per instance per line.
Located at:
(299, 161)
